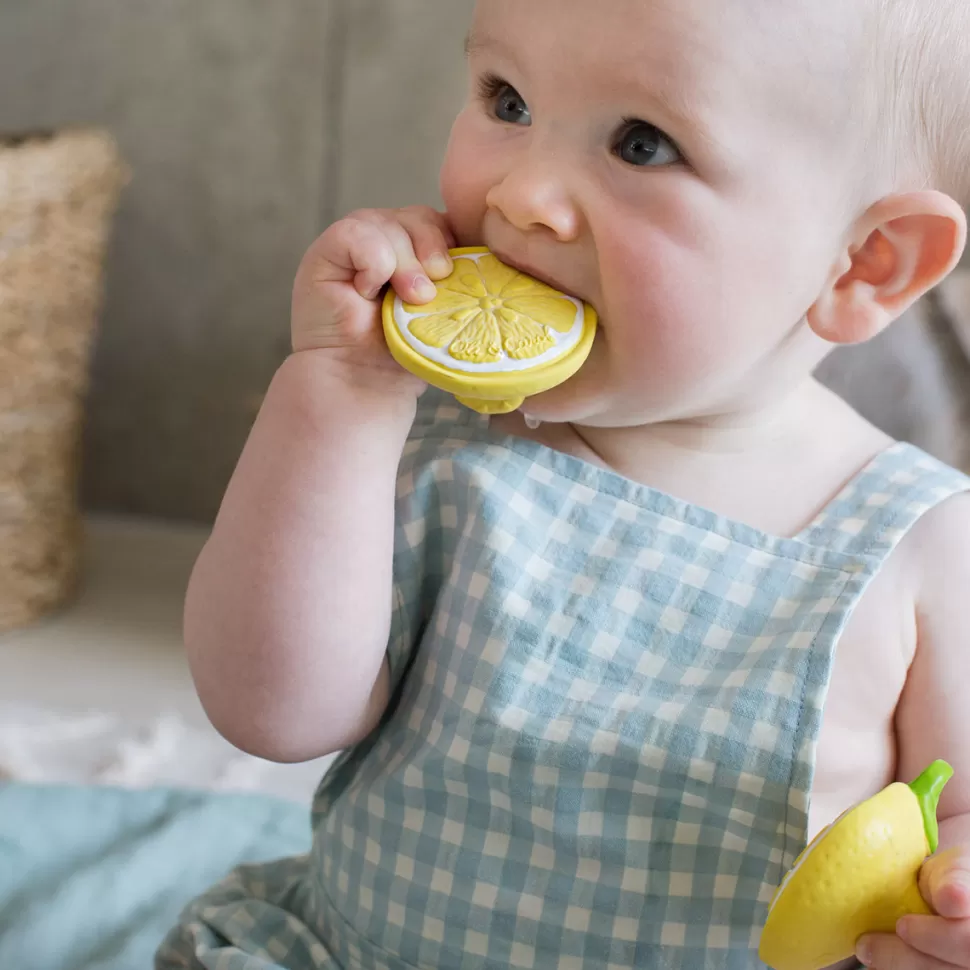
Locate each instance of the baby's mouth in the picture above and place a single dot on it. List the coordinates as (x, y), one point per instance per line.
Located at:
(535, 273)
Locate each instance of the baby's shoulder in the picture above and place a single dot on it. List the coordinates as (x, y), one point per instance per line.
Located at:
(930, 569)
(938, 547)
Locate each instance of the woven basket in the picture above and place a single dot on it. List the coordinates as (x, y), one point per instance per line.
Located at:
(58, 193)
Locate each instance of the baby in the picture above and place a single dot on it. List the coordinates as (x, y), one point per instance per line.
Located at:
(601, 668)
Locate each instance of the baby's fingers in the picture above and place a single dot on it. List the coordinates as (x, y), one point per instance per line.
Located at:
(410, 279)
(947, 941)
(354, 250)
(937, 945)
(431, 238)
(408, 276)
(944, 882)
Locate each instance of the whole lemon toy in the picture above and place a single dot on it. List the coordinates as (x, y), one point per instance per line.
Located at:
(860, 875)
(493, 335)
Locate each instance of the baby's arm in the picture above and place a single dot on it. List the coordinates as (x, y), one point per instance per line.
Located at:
(933, 718)
(288, 610)
(933, 721)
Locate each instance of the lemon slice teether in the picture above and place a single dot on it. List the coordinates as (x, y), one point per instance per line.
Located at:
(859, 876)
(493, 335)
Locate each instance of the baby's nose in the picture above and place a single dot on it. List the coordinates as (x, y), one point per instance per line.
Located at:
(533, 196)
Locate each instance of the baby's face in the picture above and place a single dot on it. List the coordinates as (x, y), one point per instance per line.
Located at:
(665, 161)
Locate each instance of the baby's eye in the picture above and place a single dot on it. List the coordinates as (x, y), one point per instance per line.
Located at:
(645, 145)
(505, 102)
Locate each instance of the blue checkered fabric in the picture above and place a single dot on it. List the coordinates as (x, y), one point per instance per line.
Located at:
(601, 744)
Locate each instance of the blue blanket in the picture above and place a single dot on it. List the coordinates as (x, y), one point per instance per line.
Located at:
(91, 879)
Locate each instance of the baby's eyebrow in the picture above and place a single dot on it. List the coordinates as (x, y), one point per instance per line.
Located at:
(476, 43)
(685, 112)
(473, 43)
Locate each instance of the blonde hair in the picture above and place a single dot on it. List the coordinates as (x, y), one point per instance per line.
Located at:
(923, 48)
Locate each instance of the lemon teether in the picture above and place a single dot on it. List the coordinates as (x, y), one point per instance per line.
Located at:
(859, 876)
(493, 335)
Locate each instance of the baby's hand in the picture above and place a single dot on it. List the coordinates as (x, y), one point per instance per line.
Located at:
(336, 305)
(930, 942)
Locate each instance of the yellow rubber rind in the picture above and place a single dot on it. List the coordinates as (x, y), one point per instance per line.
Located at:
(494, 393)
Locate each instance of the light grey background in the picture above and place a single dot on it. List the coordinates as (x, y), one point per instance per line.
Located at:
(250, 124)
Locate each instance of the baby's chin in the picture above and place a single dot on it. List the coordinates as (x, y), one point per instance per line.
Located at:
(575, 400)
(594, 400)
(585, 395)
(578, 401)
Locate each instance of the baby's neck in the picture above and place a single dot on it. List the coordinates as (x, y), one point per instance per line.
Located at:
(799, 415)
(773, 467)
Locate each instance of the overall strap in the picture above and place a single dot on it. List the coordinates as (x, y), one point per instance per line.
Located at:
(875, 511)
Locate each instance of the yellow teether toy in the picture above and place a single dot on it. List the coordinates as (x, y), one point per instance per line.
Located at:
(493, 335)
(859, 876)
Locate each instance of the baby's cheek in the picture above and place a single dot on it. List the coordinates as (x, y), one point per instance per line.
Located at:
(669, 305)
(680, 348)
(464, 185)
(464, 216)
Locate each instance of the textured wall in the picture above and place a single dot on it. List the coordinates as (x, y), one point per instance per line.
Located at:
(249, 125)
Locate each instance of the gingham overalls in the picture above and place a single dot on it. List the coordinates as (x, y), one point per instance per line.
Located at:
(601, 743)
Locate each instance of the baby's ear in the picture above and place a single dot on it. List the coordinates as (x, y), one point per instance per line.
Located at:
(901, 248)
